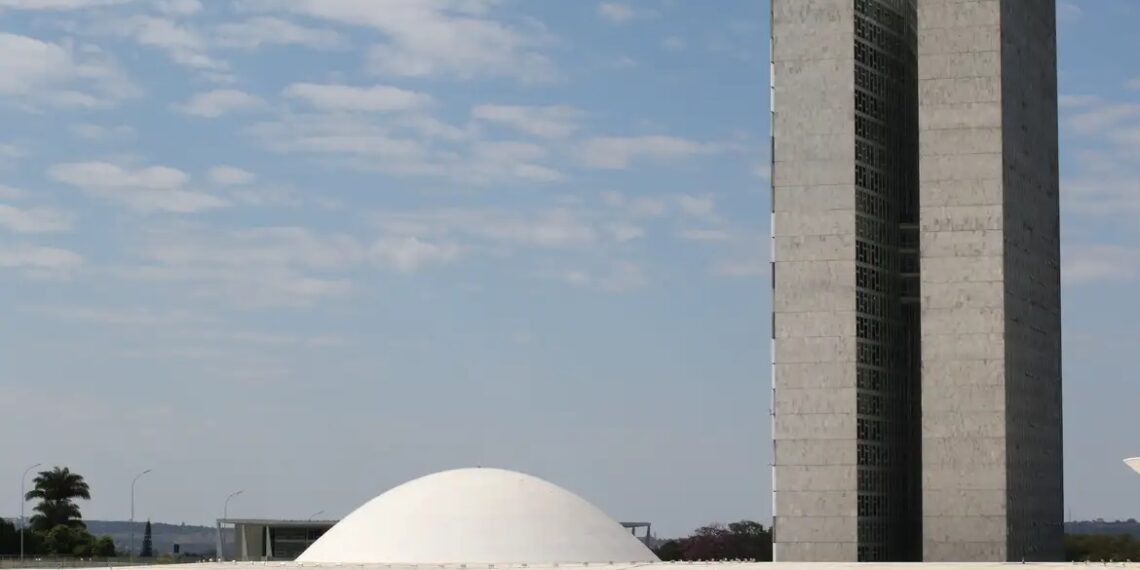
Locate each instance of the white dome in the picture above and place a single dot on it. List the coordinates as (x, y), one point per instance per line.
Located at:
(477, 516)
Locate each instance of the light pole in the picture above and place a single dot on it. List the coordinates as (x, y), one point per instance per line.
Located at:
(225, 515)
(226, 505)
(23, 500)
(133, 481)
(314, 515)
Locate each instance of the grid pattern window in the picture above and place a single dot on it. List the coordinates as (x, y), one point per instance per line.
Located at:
(886, 186)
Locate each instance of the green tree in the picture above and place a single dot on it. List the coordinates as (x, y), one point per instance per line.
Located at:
(9, 538)
(743, 540)
(1101, 547)
(147, 546)
(104, 547)
(64, 540)
(57, 490)
(671, 550)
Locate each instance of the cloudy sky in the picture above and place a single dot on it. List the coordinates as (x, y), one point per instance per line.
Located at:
(314, 248)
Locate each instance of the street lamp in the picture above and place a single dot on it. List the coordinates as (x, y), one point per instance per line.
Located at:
(23, 499)
(133, 481)
(225, 515)
(314, 515)
(226, 506)
(1134, 463)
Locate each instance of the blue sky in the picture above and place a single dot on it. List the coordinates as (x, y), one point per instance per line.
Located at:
(314, 248)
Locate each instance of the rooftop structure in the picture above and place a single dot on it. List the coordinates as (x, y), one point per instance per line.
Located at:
(477, 516)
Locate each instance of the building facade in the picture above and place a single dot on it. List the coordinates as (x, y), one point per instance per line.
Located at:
(916, 291)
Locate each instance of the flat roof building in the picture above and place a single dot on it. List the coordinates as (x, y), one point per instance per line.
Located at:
(268, 539)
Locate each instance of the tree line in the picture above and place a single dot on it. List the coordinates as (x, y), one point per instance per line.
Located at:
(56, 528)
(743, 540)
(749, 540)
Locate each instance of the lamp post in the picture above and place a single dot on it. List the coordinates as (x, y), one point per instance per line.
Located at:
(226, 506)
(225, 515)
(23, 500)
(133, 481)
(314, 515)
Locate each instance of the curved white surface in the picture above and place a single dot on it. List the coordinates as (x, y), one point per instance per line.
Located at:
(477, 516)
(1134, 463)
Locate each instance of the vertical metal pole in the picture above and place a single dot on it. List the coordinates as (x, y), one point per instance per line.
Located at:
(133, 481)
(23, 500)
(225, 515)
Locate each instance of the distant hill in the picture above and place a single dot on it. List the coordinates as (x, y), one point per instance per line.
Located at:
(192, 539)
(195, 539)
(1101, 526)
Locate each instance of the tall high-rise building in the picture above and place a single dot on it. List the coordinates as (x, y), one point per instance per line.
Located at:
(916, 281)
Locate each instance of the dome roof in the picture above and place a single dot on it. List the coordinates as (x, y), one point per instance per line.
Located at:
(477, 516)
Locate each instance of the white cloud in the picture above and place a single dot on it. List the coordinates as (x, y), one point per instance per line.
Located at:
(278, 266)
(178, 7)
(551, 122)
(147, 189)
(623, 62)
(435, 37)
(182, 44)
(259, 267)
(260, 196)
(377, 98)
(491, 161)
(673, 43)
(9, 193)
(1133, 84)
(1096, 119)
(10, 152)
(623, 232)
(618, 152)
(697, 206)
(35, 72)
(40, 262)
(58, 4)
(646, 207)
(230, 176)
(408, 254)
(342, 136)
(213, 104)
(122, 317)
(705, 235)
(550, 229)
(91, 131)
(263, 31)
(619, 277)
(615, 12)
(34, 220)
(1100, 263)
(1105, 181)
(742, 267)
(623, 276)
(406, 146)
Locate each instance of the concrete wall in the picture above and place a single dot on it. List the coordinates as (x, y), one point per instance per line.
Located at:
(990, 304)
(1032, 281)
(962, 268)
(250, 541)
(813, 225)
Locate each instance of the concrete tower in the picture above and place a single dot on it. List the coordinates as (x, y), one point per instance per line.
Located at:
(991, 307)
(916, 326)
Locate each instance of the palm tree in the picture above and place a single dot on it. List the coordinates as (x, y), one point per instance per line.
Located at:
(56, 490)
